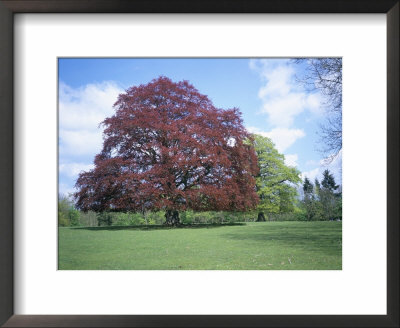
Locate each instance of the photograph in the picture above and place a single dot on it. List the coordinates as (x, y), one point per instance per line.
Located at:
(199, 163)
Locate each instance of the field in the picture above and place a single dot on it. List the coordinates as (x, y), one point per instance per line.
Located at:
(250, 246)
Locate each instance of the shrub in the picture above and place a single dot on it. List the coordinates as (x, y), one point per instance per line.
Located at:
(62, 220)
(88, 219)
(68, 215)
(104, 219)
(121, 219)
(137, 219)
(156, 217)
(187, 217)
(74, 217)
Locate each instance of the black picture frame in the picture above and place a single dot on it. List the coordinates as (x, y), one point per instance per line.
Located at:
(10, 7)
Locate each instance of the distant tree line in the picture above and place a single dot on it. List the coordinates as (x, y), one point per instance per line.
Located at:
(322, 201)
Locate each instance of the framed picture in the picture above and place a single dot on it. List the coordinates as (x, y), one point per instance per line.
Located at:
(60, 67)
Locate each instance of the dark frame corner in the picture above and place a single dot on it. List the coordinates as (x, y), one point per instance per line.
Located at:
(7, 10)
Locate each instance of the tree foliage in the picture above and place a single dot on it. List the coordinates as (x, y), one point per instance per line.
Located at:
(167, 147)
(307, 188)
(275, 181)
(310, 200)
(68, 215)
(329, 198)
(328, 182)
(323, 201)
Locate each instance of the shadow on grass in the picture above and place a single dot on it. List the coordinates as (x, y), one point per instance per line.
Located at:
(159, 227)
(323, 239)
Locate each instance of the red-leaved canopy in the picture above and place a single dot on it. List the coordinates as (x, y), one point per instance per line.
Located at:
(167, 147)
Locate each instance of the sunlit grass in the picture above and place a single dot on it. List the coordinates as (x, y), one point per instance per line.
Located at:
(251, 246)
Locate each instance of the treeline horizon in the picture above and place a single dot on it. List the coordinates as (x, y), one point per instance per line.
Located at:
(319, 201)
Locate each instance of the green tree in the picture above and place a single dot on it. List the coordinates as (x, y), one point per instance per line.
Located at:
(275, 181)
(328, 181)
(338, 204)
(309, 199)
(68, 215)
(105, 218)
(317, 188)
(308, 188)
(74, 217)
(329, 198)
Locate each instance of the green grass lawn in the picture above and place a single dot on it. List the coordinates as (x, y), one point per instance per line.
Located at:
(251, 246)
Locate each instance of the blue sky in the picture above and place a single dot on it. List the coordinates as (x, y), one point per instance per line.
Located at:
(266, 91)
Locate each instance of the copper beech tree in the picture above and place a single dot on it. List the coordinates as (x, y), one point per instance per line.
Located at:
(168, 148)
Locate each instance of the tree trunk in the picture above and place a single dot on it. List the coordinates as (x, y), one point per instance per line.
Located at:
(261, 217)
(172, 218)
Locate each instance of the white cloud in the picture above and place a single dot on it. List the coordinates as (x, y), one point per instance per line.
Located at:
(80, 142)
(278, 81)
(335, 167)
(73, 169)
(283, 138)
(81, 110)
(314, 103)
(283, 110)
(65, 189)
(264, 65)
(283, 98)
(291, 160)
(312, 174)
